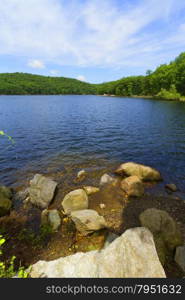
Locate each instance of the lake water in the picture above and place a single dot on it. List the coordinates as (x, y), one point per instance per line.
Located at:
(52, 132)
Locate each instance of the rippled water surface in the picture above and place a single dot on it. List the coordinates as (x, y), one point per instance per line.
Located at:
(52, 132)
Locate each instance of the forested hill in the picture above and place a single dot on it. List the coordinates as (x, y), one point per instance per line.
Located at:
(23, 83)
(166, 82)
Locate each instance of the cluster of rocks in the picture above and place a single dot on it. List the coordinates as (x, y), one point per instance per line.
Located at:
(139, 252)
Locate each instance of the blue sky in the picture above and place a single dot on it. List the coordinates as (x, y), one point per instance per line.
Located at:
(92, 40)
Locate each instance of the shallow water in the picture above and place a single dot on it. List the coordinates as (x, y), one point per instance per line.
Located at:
(52, 133)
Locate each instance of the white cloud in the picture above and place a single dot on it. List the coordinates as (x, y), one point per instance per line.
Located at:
(90, 33)
(55, 72)
(81, 78)
(36, 64)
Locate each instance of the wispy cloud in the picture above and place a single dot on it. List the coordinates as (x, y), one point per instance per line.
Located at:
(36, 64)
(91, 33)
(81, 78)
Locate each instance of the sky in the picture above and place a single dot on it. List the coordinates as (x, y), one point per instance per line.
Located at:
(91, 40)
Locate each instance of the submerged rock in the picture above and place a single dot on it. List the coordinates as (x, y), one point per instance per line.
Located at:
(75, 200)
(180, 257)
(81, 175)
(171, 186)
(144, 173)
(87, 221)
(107, 179)
(52, 218)
(41, 190)
(5, 200)
(132, 186)
(133, 254)
(91, 190)
(166, 234)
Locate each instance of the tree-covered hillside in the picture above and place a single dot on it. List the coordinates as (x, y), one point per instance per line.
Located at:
(166, 82)
(22, 83)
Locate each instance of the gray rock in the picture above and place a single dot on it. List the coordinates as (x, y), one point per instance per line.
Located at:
(133, 254)
(87, 221)
(107, 179)
(171, 186)
(5, 200)
(41, 190)
(166, 233)
(110, 238)
(144, 173)
(52, 218)
(90, 190)
(180, 257)
(132, 186)
(75, 200)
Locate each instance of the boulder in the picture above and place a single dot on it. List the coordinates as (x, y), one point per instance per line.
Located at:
(87, 221)
(91, 190)
(41, 190)
(166, 234)
(107, 179)
(52, 218)
(144, 173)
(132, 186)
(171, 187)
(5, 200)
(180, 257)
(75, 200)
(133, 254)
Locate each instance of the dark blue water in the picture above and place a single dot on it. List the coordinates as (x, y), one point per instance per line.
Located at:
(51, 131)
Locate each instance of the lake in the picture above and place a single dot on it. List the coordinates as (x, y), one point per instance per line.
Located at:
(52, 133)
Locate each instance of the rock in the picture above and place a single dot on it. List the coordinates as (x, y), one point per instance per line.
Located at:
(75, 200)
(5, 205)
(132, 186)
(107, 179)
(144, 173)
(171, 186)
(91, 190)
(133, 254)
(41, 190)
(102, 205)
(80, 176)
(5, 191)
(180, 257)
(5, 200)
(52, 218)
(110, 238)
(21, 195)
(87, 221)
(166, 234)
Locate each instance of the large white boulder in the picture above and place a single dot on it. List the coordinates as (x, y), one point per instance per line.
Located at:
(143, 172)
(87, 221)
(75, 200)
(41, 191)
(133, 254)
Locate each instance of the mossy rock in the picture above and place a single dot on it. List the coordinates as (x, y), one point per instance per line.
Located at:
(5, 205)
(6, 192)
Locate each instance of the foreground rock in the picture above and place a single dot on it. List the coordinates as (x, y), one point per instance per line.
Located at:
(87, 221)
(91, 190)
(131, 255)
(107, 179)
(75, 200)
(171, 187)
(180, 257)
(166, 234)
(5, 200)
(144, 173)
(132, 186)
(51, 218)
(41, 190)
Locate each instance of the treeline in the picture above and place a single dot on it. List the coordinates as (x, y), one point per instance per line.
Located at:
(23, 84)
(166, 82)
